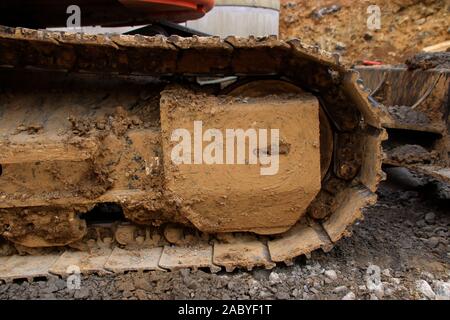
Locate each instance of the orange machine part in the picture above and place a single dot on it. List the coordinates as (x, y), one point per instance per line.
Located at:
(171, 10)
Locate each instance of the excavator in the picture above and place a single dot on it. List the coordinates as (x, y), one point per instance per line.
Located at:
(172, 149)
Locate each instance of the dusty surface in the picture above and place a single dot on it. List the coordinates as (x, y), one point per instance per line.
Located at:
(269, 186)
(119, 142)
(415, 266)
(427, 61)
(407, 26)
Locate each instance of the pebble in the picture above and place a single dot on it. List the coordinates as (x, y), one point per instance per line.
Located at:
(82, 293)
(274, 278)
(340, 46)
(425, 289)
(430, 217)
(368, 36)
(421, 223)
(340, 289)
(141, 294)
(389, 292)
(143, 284)
(331, 274)
(264, 294)
(296, 293)
(442, 288)
(373, 281)
(50, 288)
(349, 296)
(427, 276)
(282, 296)
(261, 274)
(421, 21)
(433, 242)
(387, 273)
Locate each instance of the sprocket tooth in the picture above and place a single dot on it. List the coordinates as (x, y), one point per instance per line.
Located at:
(348, 210)
(299, 240)
(371, 173)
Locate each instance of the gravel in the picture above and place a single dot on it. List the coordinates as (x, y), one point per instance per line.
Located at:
(425, 289)
(389, 256)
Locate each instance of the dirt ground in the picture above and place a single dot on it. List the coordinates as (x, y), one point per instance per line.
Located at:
(407, 26)
(400, 251)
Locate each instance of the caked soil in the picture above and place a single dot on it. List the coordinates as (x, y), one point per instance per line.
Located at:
(406, 27)
(400, 251)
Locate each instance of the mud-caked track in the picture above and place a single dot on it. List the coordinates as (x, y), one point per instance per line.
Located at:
(86, 121)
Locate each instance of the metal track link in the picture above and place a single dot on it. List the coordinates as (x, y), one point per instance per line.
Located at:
(346, 102)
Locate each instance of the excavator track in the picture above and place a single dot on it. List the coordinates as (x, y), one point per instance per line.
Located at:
(84, 125)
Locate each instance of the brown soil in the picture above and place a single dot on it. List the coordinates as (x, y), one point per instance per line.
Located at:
(407, 26)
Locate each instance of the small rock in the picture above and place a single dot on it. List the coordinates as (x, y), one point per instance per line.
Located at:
(290, 19)
(51, 288)
(290, 5)
(387, 273)
(340, 289)
(433, 242)
(282, 296)
(261, 274)
(61, 284)
(395, 281)
(125, 286)
(442, 288)
(193, 285)
(331, 274)
(421, 21)
(425, 289)
(373, 297)
(368, 36)
(143, 284)
(83, 293)
(314, 290)
(264, 294)
(296, 293)
(421, 223)
(274, 278)
(388, 292)
(141, 294)
(373, 281)
(231, 285)
(427, 275)
(48, 296)
(430, 217)
(185, 272)
(340, 46)
(349, 296)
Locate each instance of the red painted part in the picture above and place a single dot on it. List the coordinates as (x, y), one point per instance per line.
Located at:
(372, 63)
(172, 10)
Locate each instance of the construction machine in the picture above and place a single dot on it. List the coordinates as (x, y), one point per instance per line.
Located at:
(128, 152)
